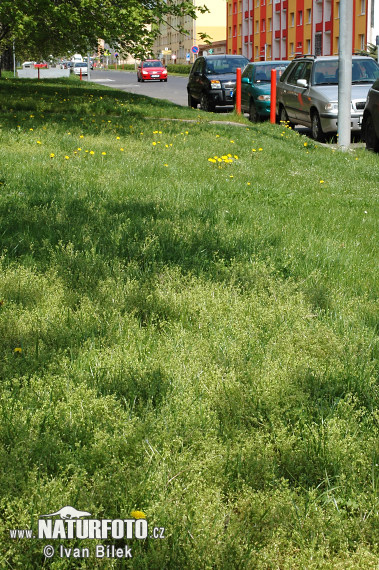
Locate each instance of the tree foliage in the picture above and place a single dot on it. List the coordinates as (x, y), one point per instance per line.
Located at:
(44, 27)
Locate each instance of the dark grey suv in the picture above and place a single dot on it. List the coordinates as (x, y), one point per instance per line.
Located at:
(212, 80)
(307, 92)
(370, 123)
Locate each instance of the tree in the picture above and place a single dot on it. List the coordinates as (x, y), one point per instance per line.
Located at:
(44, 27)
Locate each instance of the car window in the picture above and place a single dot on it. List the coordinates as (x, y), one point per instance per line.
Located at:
(248, 71)
(152, 64)
(325, 72)
(197, 66)
(297, 73)
(224, 65)
(263, 72)
(364, 71)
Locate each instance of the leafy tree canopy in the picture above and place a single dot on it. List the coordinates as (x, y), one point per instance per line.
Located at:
(44, 27)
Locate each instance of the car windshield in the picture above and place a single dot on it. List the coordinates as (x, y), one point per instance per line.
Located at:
(152, 64)
(263, 72)
(223, 65)
(363, 71)
(80, 64)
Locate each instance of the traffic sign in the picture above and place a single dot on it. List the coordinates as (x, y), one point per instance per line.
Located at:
(188, 56)
(116, 54)
(210, 51)
(195, 49)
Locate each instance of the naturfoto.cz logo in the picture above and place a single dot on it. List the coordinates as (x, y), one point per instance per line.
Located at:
(75, 524)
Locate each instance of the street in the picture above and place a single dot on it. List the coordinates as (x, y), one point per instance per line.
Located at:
(174, 90)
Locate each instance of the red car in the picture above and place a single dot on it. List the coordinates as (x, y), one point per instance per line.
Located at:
(151, 69)
(40, 65)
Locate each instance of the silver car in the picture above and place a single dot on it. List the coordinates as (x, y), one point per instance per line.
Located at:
(307, 92)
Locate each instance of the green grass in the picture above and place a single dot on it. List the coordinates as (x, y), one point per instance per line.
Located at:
(199, 340)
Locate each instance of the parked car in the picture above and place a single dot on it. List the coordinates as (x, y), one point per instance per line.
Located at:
(212, 80)
(370, 123)
(28, 65)
(40, 65)
(256, 87)
(151, 69)
(307, 92)
(80, 66)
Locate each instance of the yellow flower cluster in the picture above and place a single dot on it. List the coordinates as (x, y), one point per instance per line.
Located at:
(225, 159)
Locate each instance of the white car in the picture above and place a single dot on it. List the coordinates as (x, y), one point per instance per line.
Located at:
(80, 66)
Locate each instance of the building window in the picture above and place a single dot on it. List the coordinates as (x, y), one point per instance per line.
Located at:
(257, 26)
(291, 49)
(257, 4)
(240, 30)
(234, 31)
(338, 10)
(300, 18)
(270, 25)
(230, 32)
(256, 52)
(309, 16)
(263, 25)
(292, 18)
(308, 46)
(363, 6)
(235, 8)
(240, 6)
(362, 41)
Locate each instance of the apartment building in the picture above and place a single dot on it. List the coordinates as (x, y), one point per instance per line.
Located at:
(171, 45)
(283, 29)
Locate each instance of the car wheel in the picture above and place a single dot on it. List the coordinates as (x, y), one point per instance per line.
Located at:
(253, 115)
(372, 141)
(165, 80)
(317, 132)
(205, 103)
(192, 102)
(138, 79)
(283, 117)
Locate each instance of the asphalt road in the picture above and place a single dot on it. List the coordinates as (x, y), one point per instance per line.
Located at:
(174, 90)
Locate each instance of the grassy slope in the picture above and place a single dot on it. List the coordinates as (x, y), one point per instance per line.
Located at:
(199, 339)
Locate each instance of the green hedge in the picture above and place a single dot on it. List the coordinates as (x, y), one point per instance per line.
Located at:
(179, 68)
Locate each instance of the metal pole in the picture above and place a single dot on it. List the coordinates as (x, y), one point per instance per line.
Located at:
(345, 73)
(88, 66)
(14, 59)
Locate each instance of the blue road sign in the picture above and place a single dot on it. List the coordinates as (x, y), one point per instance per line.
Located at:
(195, 49)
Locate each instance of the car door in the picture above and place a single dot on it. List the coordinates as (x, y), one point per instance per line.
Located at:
(292, 90)
(303, 99)
(246, 86)
(195, 80)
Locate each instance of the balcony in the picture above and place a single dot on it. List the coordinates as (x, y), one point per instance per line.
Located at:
(251, 13)
(328, 26)
(285, 5)
(246, 14)
(277, 34)
(246, 39)
(319, 27)
(277, 7)
(284, 33)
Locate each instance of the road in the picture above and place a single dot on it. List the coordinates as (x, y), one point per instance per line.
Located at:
(174, 90)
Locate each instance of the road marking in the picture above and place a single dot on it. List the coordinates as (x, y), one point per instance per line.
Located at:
(101, 80)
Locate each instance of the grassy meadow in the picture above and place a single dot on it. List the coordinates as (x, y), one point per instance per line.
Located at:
(189, 328)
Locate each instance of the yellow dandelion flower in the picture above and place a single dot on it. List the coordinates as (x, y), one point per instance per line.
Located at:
(103, 153)
(236, 157)
(39, 142)
(253, 150)
(18, 350)
(121, 149)
(211, 160)
(248, 183)
(92, 152)
(224, 157)
(321, 182)
(260, 149)
(165, 165)
(154, 143)
(232, 141)
(138, 515)
(231, 176)
(67, 157)
(52, 155)
(217, 136)
(305, 144)
(30, 129)
(117, 138)
(79, 148)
